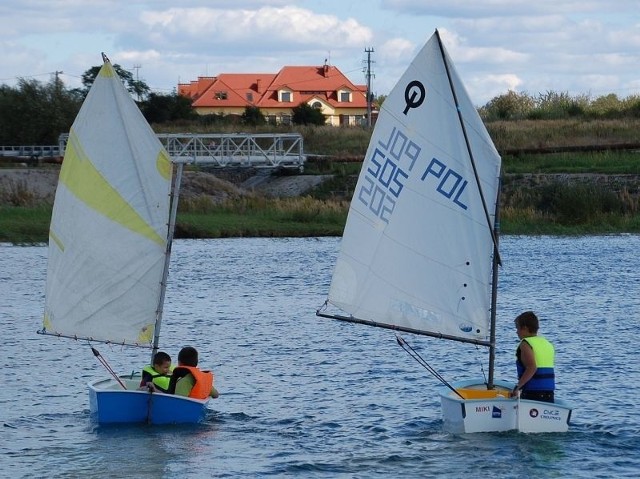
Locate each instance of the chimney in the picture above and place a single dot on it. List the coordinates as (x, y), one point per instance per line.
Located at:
(259, 85)
(325, 69)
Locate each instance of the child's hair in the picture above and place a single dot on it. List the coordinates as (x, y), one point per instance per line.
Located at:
(528, 320)
(188, 356)
(161, 357)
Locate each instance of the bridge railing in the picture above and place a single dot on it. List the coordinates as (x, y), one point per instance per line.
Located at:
(263, 150)
(30, 151)
(238, 150)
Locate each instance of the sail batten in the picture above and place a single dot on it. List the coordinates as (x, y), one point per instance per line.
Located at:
(417, 251)
(108, 232)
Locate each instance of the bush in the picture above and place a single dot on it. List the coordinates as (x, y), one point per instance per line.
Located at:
(577, 204)
(305, 114)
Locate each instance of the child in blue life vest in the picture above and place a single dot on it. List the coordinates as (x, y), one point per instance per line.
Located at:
(534, 361)
(156, 377)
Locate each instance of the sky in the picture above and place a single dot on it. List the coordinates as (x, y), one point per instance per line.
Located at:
(581, 47)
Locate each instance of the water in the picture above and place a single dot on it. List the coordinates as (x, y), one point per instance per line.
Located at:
(313, 397)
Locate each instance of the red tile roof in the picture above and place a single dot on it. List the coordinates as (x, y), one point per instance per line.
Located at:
(261, 89)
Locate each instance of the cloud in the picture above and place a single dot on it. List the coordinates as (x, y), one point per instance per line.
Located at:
(507, 8)
(284, 28)
(560, 45)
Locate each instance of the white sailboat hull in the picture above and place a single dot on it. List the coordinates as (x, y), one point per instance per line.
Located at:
(495, 411)
(109, 403)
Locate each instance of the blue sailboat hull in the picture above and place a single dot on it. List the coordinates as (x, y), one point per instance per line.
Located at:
(110, 403)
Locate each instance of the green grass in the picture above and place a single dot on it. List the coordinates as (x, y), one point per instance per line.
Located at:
(24, 225)
(617, 162)
(526, 221)
(243, 218)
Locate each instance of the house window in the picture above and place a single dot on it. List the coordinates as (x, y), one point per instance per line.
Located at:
(285, 96)
(317, 105)
(250, 97)
(345, 96)
(221, 95)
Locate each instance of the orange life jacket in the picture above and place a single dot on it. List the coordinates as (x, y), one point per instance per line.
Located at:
(204, 381)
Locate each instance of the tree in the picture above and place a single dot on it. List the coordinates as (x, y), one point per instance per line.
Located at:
(305, 114)
(159, 108)
(253, 116)
(36, 114)
(135, 87)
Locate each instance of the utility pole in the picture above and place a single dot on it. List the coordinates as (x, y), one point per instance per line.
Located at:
(137, 68)
(369, 74)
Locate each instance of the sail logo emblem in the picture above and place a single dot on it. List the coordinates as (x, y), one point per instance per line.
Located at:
(387, 170)
(414, 95)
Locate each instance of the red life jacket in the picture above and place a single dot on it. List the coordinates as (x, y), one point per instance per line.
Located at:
(204, 381)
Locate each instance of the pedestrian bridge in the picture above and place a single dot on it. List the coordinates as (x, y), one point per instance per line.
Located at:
(263, 150)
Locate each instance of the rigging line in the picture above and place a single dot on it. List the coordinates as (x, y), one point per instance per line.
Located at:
(484, 375)
(415, 355)
(466, 140)
(104, 362)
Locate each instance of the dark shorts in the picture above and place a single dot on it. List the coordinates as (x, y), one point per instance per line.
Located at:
(544, 396)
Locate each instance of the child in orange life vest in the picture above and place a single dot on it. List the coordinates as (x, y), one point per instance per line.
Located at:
(156, 376)
(188, 380)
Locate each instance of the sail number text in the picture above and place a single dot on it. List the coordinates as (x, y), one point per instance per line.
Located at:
(451, 184)
(391, 165)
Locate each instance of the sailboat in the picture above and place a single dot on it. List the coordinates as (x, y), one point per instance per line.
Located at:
(419, 253)
(109, 248)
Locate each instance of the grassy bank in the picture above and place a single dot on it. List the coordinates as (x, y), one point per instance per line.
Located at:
(303, 217)
(243, 218)
(568, 193)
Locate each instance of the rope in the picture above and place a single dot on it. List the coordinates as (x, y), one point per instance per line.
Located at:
(104, 362)
(484, 375)
(415, 355)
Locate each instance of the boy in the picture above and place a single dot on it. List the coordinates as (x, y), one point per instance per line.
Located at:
(534, 361)
(188, 380)
(156, 377)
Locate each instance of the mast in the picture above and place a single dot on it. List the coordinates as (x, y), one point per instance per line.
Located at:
(494, 289)
(466, 140)
(496, 261)
(175, 194)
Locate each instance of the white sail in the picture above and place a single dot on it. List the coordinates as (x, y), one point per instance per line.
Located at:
(417, 247)
(108, 234)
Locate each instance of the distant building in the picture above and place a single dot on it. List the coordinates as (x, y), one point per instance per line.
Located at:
(324, 87)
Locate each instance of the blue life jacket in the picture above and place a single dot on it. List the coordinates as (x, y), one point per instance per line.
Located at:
(544, 378)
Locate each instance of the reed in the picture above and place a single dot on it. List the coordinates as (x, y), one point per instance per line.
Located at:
(260, 216)
(558, 133)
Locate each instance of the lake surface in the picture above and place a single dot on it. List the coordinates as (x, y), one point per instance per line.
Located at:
(312, 397)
